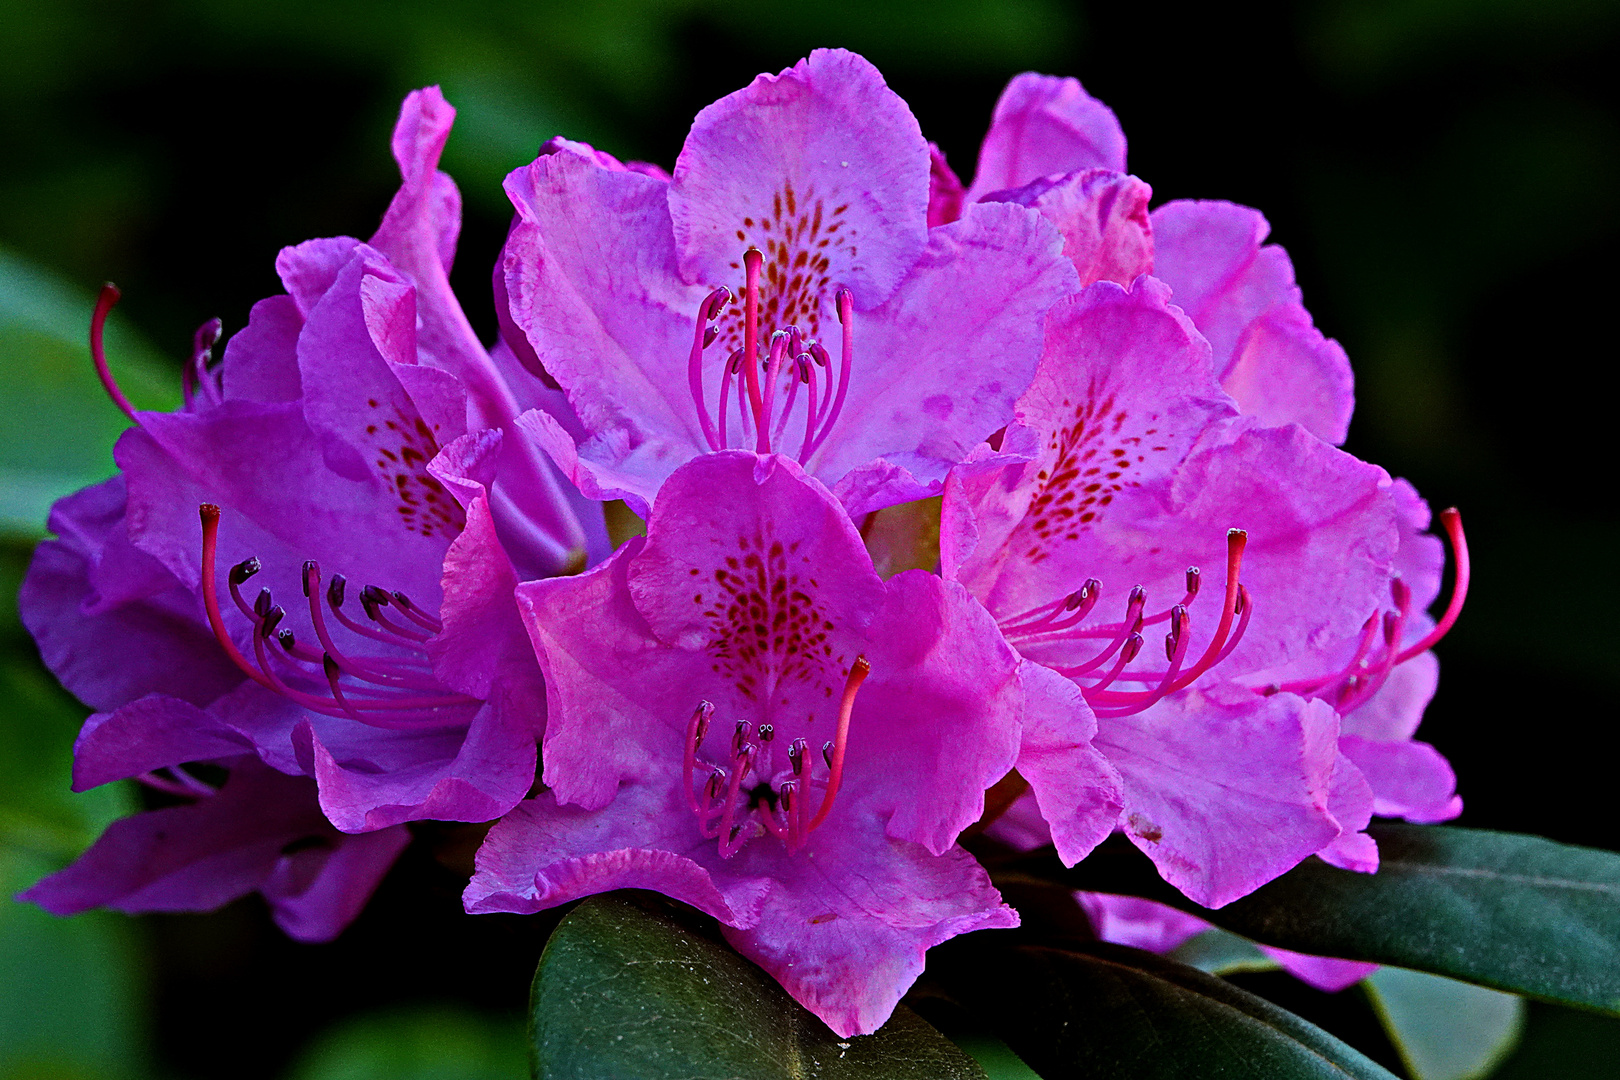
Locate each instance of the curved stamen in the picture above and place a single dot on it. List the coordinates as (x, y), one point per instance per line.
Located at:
(1236, 540)
(98, 322)
(377, 706)
(845, 301)
(1133, 622)
(1451, 521)
(209, 513)
(703, 336)
(195, 375)
(1176, 643)
(1127, 653)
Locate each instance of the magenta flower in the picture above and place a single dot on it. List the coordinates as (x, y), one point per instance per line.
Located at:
(781, 293)
(1277, 369)
(1053, 147)
(1139, 467)
(355, 427)
(744, 716)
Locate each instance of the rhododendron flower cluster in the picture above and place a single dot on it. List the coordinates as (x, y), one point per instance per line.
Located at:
(1129, 421)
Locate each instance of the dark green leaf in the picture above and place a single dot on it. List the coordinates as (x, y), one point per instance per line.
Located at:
(1107, 1011)
(1517, 913)
(627, 992)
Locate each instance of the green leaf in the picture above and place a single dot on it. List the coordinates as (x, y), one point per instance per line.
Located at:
(1108, 1011)
(1445, 1030)
(627, 992)
(1513, 912)
(422, 1043)
(1221, 953)
(57, 427)
(70, 995)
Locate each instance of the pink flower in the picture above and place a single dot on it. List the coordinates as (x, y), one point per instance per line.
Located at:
(356, 427)
(745, 717)
(1361, 649)
(781, 293)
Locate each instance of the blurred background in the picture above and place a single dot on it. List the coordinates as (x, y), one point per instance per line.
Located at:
(1443, 172)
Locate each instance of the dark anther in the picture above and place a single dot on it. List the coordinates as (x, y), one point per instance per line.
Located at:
(287, 640)
(767, 732)
(827, 753)
(312, 572)
(1133, 645)
(796, 752)
(245, 569)
(402, 600)
(262, 603)
(330, 665)
(334, 590)
(1192, 580)
(372, 598)
(709, 334)
(271, 618)
(716, 784)
(739, 738)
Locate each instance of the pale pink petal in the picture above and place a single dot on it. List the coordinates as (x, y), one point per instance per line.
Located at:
(1224, 795)
(1045, 125)
(1103, 217)
(1283, 371)
(1409, 779)
(823, 151)
(1075, 786)
(934, 376)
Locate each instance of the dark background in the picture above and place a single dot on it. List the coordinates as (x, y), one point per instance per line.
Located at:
(1443, 172)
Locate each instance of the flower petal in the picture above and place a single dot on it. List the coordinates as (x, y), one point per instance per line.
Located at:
(1225, 794)
(1045, 125)
(823, 168)
(1103, 217)
(932, 375)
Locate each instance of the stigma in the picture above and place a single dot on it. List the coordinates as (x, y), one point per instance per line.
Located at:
(769, 376)
(754, 791)
(394, 689)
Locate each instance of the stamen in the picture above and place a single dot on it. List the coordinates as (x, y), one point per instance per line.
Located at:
(702, 337)
(379, 704)
(752, 261)
(1451, 521)
(195, 375)
(1133, 622)
(1354, 684)
(845, 301)
(209, 513)
(98, 322)
(1236, 540)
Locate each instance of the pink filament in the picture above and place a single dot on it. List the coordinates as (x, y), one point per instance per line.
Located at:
(98, 322)
(378, 705)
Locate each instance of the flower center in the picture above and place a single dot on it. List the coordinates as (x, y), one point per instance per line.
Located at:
(768, 383)
(397, 692)
(1377, 654)
(1064, 621)
(752, 786)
